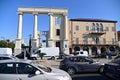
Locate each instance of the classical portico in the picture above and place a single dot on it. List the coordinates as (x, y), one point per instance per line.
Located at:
(53, 13)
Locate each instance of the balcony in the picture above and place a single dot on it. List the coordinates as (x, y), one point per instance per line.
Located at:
(97, 32)
(90, 42)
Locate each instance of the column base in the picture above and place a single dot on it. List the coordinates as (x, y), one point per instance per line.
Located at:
(34, 45)
(51, 43)
(65, 48)
(17, 49)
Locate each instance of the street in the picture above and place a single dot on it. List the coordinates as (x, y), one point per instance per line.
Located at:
(79, 76)
(89, 76)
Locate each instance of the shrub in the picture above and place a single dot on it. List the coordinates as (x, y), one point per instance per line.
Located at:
(41, 55)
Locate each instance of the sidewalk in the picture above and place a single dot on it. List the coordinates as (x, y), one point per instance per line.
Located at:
(104, 60)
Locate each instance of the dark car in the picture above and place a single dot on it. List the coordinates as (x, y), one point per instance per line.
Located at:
(76, 64)
(112, 69)
(117, 57)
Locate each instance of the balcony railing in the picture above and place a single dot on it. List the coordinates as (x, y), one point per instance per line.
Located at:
(90, 42)
(97, 32)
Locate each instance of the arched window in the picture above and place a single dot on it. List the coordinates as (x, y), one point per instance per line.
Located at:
(101, 27)
(93, 26)
(97, 27)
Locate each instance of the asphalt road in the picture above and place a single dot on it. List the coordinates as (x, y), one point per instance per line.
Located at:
(89, 76)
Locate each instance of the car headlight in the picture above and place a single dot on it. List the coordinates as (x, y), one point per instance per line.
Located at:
(64, 78)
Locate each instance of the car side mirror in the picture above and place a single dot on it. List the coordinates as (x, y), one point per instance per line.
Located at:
(37, 72)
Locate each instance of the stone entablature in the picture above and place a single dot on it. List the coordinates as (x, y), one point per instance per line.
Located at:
(43, 10)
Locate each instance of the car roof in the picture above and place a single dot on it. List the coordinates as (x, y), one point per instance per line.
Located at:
(17, 60)
(76, 56)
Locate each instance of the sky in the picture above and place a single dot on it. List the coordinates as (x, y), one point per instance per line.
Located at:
(101, 9)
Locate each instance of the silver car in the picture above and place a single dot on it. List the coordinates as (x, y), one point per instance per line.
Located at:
(3, 57)
(29, 70)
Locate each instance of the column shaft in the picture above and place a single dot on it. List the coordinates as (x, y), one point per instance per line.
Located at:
(51, 26)
(19, 34)
(66, 28)
(35, 26)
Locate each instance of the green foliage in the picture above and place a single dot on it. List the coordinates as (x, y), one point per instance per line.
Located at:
(75, 53)
(11, 45)
(4, 43)
(41, 54)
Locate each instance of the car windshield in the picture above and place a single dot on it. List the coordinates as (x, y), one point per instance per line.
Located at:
(44, 68)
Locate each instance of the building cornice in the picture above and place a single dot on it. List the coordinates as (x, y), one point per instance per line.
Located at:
(92, 20)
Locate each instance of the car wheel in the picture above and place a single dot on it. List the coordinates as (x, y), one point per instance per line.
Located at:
(53, 58)
(71, 71)
(101, 69)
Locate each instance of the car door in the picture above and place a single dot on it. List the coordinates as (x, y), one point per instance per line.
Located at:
(89, 65)
(78, 64)
(27, 72)
(7, 71)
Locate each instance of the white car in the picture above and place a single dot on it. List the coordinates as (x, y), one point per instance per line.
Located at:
(2, 57)
(29, 70)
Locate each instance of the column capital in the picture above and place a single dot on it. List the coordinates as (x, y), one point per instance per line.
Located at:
(65, 14)
(50, 13)
(35, 13)
(20, 13)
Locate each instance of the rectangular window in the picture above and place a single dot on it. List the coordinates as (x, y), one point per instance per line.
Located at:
(113, 40)
(58, 32)
(58, 20)
(77, 40)
(107, 29)
(104, 41)
(85, 40)
(77, 28)
(113, 28)
(87, 28)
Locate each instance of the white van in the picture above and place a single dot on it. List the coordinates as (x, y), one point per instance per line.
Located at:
(6, 51)
(82, 53)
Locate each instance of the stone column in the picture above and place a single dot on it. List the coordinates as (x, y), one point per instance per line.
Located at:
(19, 34)
(65, 40)
(66, 27)
(90, 52)
(50, 40)
(18, 42)
(35, 32)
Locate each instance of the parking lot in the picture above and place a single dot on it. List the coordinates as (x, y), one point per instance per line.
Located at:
(55, 63)
(80, 76)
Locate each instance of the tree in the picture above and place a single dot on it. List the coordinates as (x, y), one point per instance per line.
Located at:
(75, 53)
(3, 43)
(41, 54)
(11, 45)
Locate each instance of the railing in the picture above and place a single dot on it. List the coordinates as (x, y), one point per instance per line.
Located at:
(90, 42)
(96, 32)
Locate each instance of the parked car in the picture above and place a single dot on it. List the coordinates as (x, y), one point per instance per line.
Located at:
(29, 70)
(112, 69)
(2, 57)
(103, 55)
(75, 64)
(117, 57)
(82, 53)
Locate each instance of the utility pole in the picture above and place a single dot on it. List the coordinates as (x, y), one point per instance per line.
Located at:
(30, 43)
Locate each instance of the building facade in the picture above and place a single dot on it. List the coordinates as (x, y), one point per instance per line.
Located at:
(94, 35)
